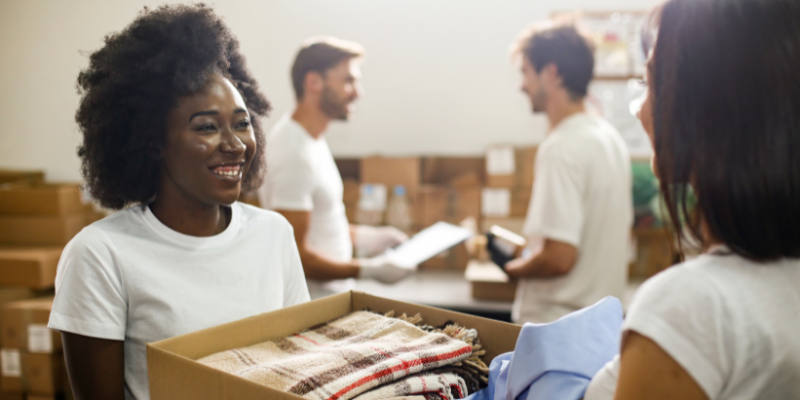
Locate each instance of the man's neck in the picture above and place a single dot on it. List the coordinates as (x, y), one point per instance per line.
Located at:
(559, 111)
(310, 117)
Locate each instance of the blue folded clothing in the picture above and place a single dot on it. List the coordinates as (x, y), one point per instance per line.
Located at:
(559, 359)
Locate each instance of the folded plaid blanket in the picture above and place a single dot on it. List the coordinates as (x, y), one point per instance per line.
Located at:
(343, 358)
(445, 386)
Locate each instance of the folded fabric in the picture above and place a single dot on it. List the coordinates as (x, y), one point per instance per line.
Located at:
(444, 386)
(559, 359)
(343, 358)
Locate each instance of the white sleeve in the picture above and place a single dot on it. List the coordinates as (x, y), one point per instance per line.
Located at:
(681, 312)
(295, 287)
(90, 298)
(291, 182)
(556, 209)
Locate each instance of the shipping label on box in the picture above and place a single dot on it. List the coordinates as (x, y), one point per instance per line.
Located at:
(495, 202)
(11, 364)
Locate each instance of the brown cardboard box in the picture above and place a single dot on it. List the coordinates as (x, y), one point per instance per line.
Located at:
(520, 200)
(455, 258)
(432, 205)
(489, 282)
(654, 252)
(16, 396)
(439, 170)
(174, 373)
(25, 327)
(40, 231)
(42, 200)
(525, 158)
(350, 198)
(20, 176)
(349, 168)
(29, 267)
(11, 371)
(392, 172)
(41, 373)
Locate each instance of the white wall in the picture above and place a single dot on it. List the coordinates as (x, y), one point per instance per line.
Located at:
(437, 75)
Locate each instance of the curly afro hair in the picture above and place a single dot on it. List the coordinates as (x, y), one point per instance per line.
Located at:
(132, 84)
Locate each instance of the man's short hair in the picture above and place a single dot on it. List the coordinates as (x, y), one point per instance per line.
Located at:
(565, 46)
(319, 54)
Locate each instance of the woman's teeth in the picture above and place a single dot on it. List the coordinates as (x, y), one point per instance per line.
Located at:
(228, 170)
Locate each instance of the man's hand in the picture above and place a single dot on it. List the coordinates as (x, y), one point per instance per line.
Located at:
(371, 241)
(382, 270)
(554, 260)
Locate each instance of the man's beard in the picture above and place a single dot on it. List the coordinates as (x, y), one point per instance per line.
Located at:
(538, 100)
(332, 106)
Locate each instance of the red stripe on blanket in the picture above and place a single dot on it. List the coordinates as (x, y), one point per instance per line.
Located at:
(423, 361)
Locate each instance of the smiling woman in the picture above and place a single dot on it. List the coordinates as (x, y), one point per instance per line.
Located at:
(169, 116)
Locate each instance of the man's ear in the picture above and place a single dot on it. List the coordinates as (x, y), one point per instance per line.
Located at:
(551, 75)
(313, 82)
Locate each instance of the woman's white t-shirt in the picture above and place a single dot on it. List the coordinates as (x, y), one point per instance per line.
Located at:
(129, 277)
(732, 324)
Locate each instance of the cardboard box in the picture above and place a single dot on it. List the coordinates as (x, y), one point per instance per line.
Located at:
(520, 200)
(525, 158)
(29, 267)
(21, 176)
(431, 205)
(16, 396)
(392, 172)
(41, 231)
(25, 327)
(174, 373)
(441, 170)
(11, 371)
(455, 258)
(489, 282)
(654, 252)
(42, 200)
(349, 168)
(42, 373)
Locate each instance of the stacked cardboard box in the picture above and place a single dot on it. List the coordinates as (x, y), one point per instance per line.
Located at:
(31, 355)
(42, 214)
(509, 181)
(36, 220)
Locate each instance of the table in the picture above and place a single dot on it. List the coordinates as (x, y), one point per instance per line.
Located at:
(441, 289)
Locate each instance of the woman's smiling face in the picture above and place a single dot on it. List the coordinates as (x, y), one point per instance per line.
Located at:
(209, 144)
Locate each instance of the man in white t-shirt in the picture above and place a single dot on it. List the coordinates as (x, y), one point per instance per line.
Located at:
(303, 183)
(581, 211)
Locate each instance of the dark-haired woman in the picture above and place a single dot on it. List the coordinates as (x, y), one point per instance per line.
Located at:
(723, 111)
(169, 116)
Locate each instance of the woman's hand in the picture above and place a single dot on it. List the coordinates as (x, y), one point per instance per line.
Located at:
(96, 367)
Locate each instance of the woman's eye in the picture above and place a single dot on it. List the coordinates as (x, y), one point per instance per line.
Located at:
(243, 124)
(207, 127)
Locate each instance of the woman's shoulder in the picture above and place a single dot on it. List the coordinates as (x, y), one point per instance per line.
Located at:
(101, 232)
(262, 218)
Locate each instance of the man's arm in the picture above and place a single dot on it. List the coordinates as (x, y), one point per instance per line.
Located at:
(96, 367)
(316, 265)
(555, 259)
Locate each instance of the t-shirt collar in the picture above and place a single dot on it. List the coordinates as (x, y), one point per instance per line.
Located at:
(194, 242)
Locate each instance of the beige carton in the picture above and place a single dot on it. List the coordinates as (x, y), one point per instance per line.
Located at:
(175, 374)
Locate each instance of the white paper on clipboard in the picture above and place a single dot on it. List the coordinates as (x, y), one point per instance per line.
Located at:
(429, 242)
